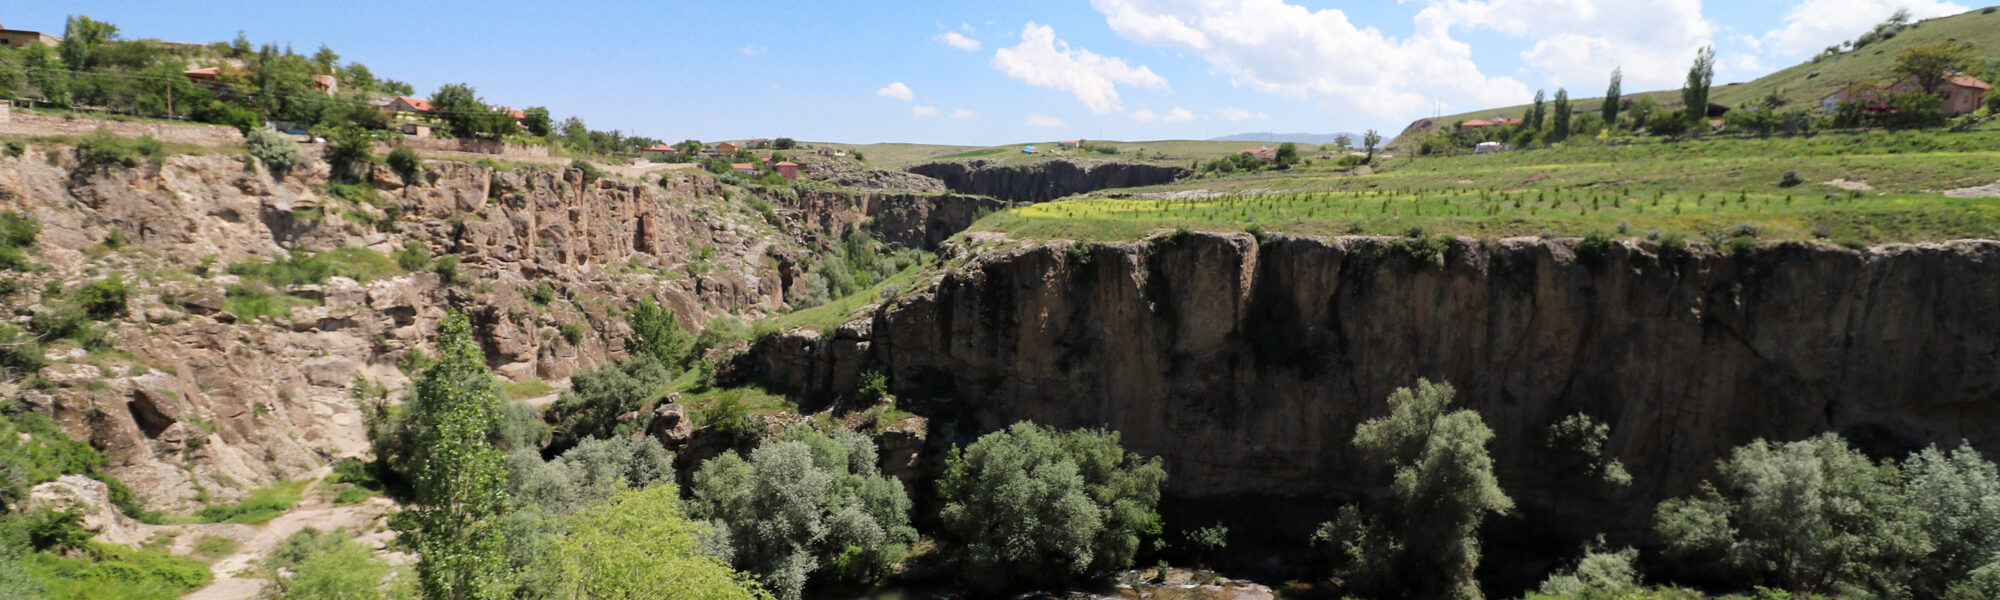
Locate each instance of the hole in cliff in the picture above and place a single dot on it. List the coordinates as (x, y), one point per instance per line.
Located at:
(147, 415)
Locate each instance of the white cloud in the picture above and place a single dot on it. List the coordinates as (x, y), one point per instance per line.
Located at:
(923, 111)
(1578, 42)
(896, 91)
(1042, 60)
(958, 40)
(1238, 114)
(753, 50)
(961, 114)
(1042, 121)
(1813, 25)
(1177, 115)
(1286, 49)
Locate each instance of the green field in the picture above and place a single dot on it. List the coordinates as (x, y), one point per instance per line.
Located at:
(1803, 84)
(1708, 188)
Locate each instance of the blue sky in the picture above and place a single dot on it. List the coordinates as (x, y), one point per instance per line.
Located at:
(993, 73)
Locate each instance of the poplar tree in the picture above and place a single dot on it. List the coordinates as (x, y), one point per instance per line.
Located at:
(1611, 98)
(1694, 95)
(459, 476)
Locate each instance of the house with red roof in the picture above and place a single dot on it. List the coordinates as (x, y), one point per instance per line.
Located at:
(410, 107)
(744, 168)
(787, 169)
(326, 84)
(1265, 154)
(1961, 94)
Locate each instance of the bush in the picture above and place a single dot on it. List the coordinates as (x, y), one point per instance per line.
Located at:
(260, 506)
(413, 256)
(590, 171)
(1811, 516)
(1034, 508)
(1424, 541)
(656, 332)
(105, 298)
(586, 473)
(599, 395)
(1599, 575)
(637, 544)
(447, 271)
(20, 353)
(311, 565)
(1594, 247)
(542, 295)
(1577, 443)
(721, 331)
(352, 148)
(810, 503)
(405, 163)
(1791, 179)
(278, 152)
(103, 149)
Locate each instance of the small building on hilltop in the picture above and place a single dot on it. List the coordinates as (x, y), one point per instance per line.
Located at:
(787, 169)
(1961, 94)
(1265, 154)
(659, 152)
(727, 148)
(410, 108)
(744, 168)
(21, 38)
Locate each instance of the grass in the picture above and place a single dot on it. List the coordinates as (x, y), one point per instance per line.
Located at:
(111, 572)
(215, 546)
(530, 388)
(262, 505)
(827, 317)
(1693, 188)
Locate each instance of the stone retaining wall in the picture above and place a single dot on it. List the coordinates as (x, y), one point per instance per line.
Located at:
(193, 134)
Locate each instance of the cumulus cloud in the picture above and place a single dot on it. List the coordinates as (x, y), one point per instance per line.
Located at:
(1577, 42)
(896, 91)
(1043, 121)
(1042, 60)
(1813, 25)
(961, 114)
(1287, 49)
(1238, 114)
(1177, 115)
(923, 111)
(958, 40)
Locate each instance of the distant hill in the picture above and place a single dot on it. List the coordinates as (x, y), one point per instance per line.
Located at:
(1803, 84)
(1279, 138)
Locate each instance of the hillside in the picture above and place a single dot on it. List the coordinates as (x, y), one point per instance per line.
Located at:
(1296, 138)
(1802, 84)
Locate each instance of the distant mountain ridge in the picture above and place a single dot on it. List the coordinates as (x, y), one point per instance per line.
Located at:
(1279, 138)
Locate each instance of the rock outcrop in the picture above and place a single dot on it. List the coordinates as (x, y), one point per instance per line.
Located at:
(1044, 180)
(1247, 365)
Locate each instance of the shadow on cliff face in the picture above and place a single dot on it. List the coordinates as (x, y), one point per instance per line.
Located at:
(1246, 365)
(1046, 180)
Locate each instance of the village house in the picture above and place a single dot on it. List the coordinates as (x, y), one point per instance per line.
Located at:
(1265, 154)
(326, 84)
(659, 152)
(787, 169)
(1069, 145)
(21, 38)
(1477, 124)
(757, 144)
(409, 108)
(744, 168)
(1961, 95)
(830, 151)
(727, 149)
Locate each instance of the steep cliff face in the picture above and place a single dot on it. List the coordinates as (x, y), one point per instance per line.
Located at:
(192, 398)
(1247, 366)
(904, 219)
(1046, 180)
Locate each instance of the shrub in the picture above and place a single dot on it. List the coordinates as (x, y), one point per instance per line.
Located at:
(590, 171)
(599, 395)
(1673, 246)
(573, 333)
(325, 566)
(542, 295)
(1593, 248)
(872, 388)
(1791, 179)
(656, 332)
(260, 506)
(1577, 442)
(586, 473)
(103, 149)
(447, 271)
(352, 148)
(413, 256)
(720, 331)
(105, 298)
(1424, 541)
(637, 544)
(1812, 516)
(808, 504)
(278, 152)
(1035, 508)
(20, 353)
(16, 148)
(1598, 575)
(405, 163)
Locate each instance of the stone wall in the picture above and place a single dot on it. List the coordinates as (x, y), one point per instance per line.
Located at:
(193, 134)
(471, 147)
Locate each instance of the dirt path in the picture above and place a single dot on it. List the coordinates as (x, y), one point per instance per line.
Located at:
(236, 575)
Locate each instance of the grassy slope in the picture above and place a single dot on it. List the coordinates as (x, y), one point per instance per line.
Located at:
(1806, 83)
(1688, 188)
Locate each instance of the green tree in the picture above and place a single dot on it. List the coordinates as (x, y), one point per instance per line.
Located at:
(1034, 508)
(1694, 94)
(1960, 490)
(537, 121)
(1935, 63)
(1668, 124)
(657, 332)
(459, 476)
(808, 504)
(326, 60)
(1343, 141)
(638, 545)
(1538, 113)
(1599, 575)
(1559, 129)
(1424, 541)
(1288, 154)
(600, 395)
(1811, 516)
(81, 37)
(469, 116)
(278, 153)
(1370, 141)
(1612, 97)
(1577, 442)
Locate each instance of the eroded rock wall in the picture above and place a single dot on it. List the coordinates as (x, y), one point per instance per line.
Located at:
(1044, 180)
(1247, 366)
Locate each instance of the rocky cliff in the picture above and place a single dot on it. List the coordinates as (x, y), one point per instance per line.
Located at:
(1044, 180)
(1247, 365)
(191, 403)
